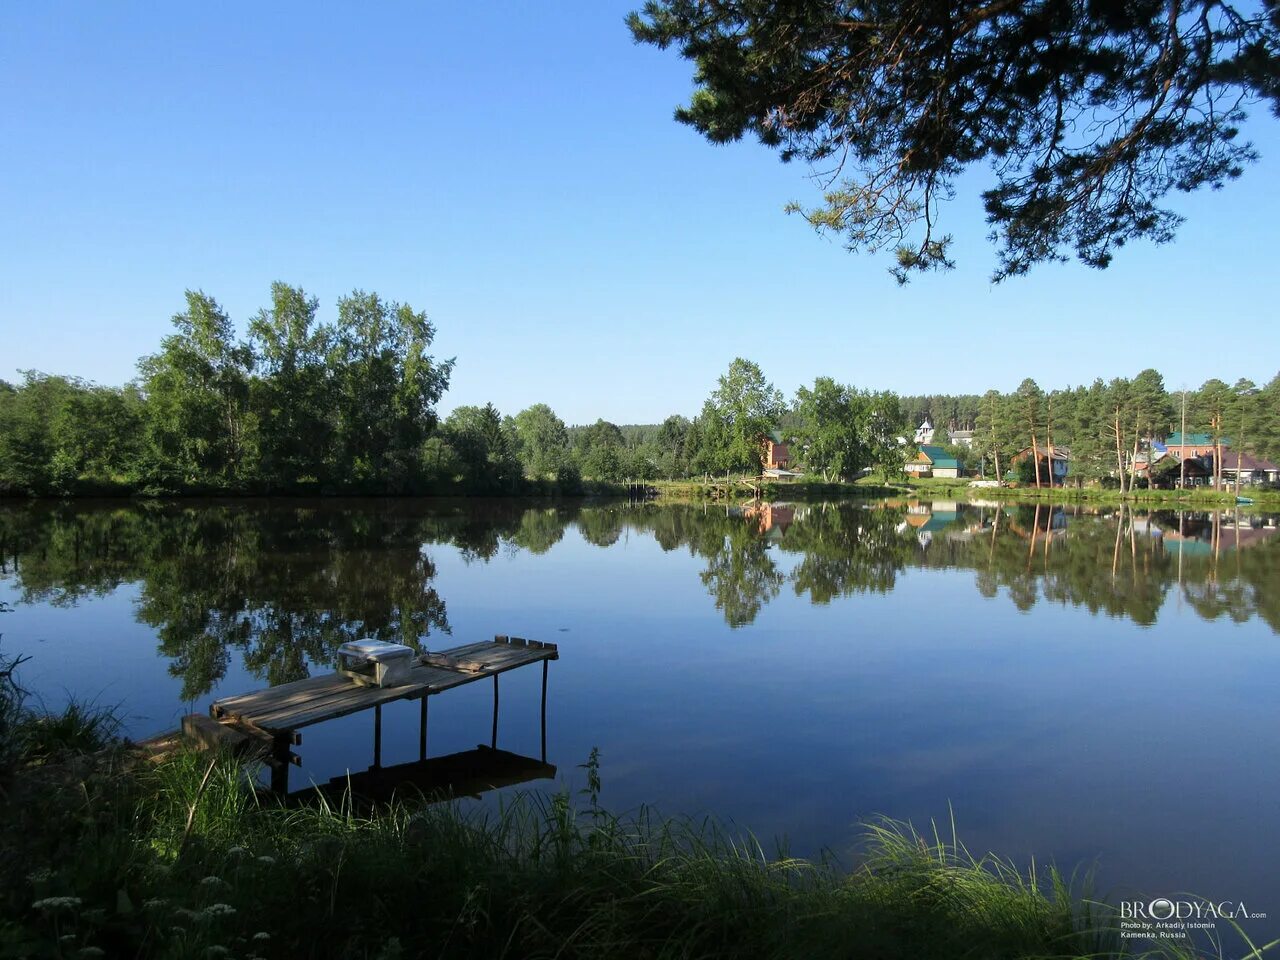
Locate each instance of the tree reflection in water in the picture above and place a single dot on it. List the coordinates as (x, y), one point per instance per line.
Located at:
(283, 585)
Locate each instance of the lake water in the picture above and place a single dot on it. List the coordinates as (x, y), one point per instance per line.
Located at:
(1083, 687)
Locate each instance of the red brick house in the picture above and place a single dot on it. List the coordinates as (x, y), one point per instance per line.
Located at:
(775, 456)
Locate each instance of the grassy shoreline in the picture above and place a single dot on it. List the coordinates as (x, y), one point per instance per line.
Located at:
(744, 489)
(108, 854)
(186, 860)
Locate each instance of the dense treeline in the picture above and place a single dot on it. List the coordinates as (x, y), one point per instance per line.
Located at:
(1107, 425)
(302, 406)
(297, 405)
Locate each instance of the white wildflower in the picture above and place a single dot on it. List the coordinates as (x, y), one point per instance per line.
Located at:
(154, 903)
(262, 935)
(57, 903)
(238, 851)
(219, 910)
(217, 951)
(212, 881)
(267, 860)
(40, 876)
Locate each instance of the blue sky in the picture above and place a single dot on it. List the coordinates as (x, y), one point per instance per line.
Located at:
(513, 169)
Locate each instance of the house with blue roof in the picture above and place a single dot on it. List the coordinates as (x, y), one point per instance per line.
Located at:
(934, 461)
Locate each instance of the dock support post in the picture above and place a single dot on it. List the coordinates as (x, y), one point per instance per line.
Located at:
(494, 738)
(377, 736)
(280, 763)
(544, 710)
(422, 731)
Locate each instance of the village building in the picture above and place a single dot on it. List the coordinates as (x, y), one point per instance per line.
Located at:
(1053, 467)
(960, 438)
(933, 461)
(1166, 473)
(1194, 445)
(776, 455)
(1250, 468)
(924, 432)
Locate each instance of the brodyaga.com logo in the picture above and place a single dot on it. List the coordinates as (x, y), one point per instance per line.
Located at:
(1162, 908)
(1179, 920)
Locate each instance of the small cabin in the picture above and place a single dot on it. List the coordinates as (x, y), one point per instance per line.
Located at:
(934, 461)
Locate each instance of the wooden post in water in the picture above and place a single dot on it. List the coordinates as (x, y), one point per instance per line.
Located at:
(280, 764)
(494, 739)
(377, 736)
(422, 731)
(545, 663)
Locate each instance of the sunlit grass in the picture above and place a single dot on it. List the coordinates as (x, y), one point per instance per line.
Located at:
(186, 858)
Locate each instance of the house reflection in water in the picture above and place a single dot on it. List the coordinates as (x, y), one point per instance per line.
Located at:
(772, 519)
(1201, 534)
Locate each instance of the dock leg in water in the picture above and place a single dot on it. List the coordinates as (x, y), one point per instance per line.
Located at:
(494, 740)
(280, 760)
(377, 736)
(422, 731)
(544, 711)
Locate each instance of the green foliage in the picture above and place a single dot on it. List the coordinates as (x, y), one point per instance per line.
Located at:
(834, 430)
(737, 416)
(485, 449)
(197, 390)
(542, 440)
(299, 406)
(1086, 119)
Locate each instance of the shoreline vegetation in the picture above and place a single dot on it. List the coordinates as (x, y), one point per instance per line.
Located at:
(300, 407)
(109, 853)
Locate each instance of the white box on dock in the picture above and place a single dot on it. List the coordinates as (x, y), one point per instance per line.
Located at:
(375, 663)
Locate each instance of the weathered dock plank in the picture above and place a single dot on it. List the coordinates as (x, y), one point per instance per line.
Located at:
(291, 706)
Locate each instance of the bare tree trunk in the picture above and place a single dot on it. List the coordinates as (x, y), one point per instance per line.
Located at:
(1239, 453)
(1216, 423)
(1134, 459)
(1048, 441)
(1119, 451)
(1182, 457)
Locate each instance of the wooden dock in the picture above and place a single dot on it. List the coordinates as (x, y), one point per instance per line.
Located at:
(266, 723)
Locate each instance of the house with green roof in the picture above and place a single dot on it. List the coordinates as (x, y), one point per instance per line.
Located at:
(934, 461)
(1193, 444)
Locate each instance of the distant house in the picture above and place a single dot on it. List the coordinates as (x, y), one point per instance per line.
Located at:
(924, 432)
(1251, 469)
(961, 438)
(1055, 473)
(1194, 445)
(933, 461)
(776, 455)
(1168, 472)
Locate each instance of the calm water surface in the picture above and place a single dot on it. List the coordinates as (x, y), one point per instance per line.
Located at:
(1079, 686)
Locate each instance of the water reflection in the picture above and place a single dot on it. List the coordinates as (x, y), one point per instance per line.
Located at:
(283, 585)
(468, 773)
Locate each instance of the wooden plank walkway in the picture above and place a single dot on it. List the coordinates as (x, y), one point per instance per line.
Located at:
(292, 706)
(276, 714)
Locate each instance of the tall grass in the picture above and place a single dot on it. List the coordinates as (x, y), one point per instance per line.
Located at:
(187, 859)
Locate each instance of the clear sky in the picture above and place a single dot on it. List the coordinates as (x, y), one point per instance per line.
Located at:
(513, 169)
